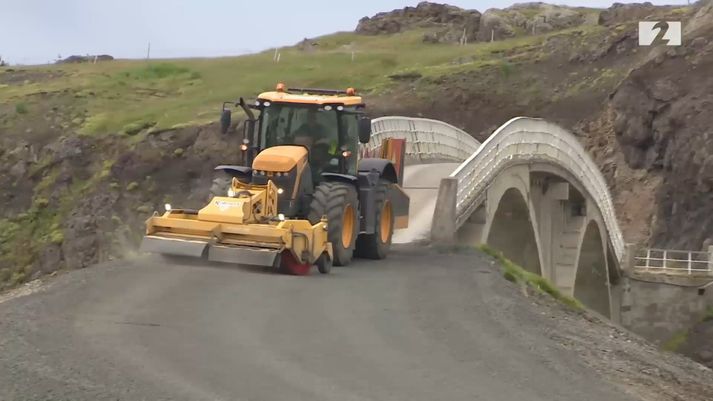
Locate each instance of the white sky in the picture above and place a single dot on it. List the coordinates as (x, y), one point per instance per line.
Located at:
(37, 31)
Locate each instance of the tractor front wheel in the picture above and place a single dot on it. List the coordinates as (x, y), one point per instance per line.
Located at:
(339, 202)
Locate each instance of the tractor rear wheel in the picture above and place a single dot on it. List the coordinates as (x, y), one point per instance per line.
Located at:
(339, 202)
(376, 245)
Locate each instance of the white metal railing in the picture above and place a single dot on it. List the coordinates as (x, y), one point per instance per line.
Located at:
(426, 140)
(671, 261)
(523, 140)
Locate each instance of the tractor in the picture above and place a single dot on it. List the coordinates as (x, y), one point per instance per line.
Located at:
(302, 194)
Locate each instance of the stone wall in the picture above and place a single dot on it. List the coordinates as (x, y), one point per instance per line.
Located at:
(658, 307)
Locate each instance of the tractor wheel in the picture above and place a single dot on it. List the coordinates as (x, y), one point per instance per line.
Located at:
(376, 245)
(324, 264)
(339, 202)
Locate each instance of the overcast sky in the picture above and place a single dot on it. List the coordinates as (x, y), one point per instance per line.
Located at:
(37, 31)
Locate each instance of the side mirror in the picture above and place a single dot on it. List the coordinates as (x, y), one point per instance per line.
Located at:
(225, 120)
(364, 129)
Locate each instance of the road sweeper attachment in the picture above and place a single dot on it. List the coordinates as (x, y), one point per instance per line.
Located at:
(302, 197)
(244, 228)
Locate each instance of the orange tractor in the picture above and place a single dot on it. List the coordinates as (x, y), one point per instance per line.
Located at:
(302, 197)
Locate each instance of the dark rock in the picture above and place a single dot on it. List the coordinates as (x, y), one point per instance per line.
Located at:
(50, 259)
(705, 356)
(619, 13)
(406, 76)
(85, 59)
(493, 25)
(454, 24)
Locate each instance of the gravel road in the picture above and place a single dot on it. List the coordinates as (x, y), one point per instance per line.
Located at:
(419, 326)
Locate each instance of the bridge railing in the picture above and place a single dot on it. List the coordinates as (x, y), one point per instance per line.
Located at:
(523, 140)
(674, 262)
(520, 140)
(426, 140)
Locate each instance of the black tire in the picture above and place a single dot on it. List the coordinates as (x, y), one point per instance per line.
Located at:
(376, 245)
(333, 199)
(324, 264)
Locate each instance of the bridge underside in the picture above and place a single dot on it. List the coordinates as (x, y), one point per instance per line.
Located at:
(539, 218)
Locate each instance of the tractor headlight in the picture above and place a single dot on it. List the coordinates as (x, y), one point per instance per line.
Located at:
(167, 207)
(231, 193)
(280, 191)
(281, 217)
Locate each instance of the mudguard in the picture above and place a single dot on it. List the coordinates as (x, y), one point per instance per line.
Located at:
(384, 167)
(235, 171)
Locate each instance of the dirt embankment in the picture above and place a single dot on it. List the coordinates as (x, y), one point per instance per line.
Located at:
(76, 200)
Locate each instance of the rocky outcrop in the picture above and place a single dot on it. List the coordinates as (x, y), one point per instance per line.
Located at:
(85, 59)
(450, 23)
(663, 124)
(619, 13)
(80, 200)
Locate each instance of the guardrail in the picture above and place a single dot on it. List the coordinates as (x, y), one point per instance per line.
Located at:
(426, 140)
(523, 140)
(669, 261)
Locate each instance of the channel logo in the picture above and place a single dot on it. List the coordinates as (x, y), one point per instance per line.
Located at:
(654, 32)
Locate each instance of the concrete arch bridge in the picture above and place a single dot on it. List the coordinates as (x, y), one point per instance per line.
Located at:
(530, 190)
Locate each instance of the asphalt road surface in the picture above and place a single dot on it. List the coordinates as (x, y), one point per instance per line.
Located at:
(417, 326)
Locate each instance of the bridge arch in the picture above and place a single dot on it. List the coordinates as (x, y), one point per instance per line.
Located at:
(511, 226)
(511, 231)
(591, 284)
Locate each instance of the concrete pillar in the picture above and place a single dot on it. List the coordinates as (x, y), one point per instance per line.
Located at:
(443, 228)
(629, 260)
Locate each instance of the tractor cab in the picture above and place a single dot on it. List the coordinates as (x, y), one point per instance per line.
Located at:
(328, 123)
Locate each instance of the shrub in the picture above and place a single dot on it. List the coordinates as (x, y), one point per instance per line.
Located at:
(159, 71)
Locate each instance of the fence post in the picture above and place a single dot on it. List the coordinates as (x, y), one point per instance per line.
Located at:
(665, 257)
(710, 259)
(648, 257)
(689, 262)
(629, 262)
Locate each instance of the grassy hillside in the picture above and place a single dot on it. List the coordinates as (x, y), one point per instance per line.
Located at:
(123, 95)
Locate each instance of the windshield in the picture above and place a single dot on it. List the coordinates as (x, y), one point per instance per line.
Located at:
(289, 124)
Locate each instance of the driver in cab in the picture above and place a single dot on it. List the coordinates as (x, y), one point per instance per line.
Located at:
(316, 138)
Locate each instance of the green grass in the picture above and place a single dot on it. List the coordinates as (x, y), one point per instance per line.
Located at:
(158, 71)
(513, 272)
(675, 342)
(21, 108)
(708, 316)
(130, 96)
